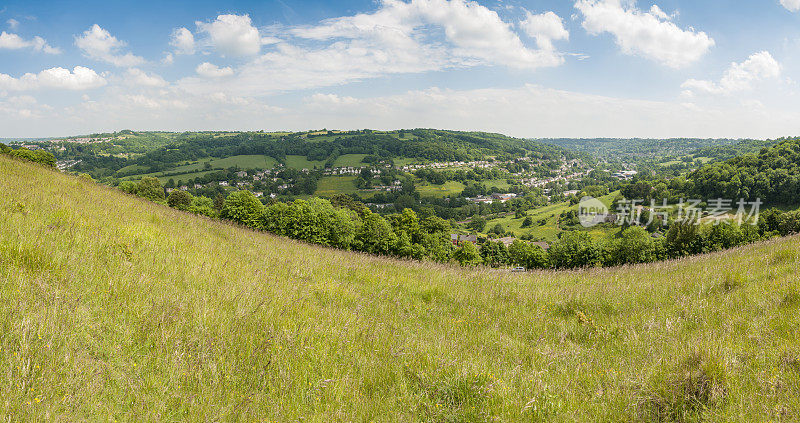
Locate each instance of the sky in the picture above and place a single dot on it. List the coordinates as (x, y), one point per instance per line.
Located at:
(526, 68)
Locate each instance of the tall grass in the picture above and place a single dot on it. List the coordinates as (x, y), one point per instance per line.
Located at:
(115, 308)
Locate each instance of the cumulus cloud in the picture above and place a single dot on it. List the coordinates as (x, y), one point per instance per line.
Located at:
(210, 70)
(739, 76)
(232, 35)
(11, 41)
(648, 34)
(792, 5)
(472, 31)
(399, 37)
(98, 44)
(80, 78)
(141, 78)
(544, 28)
(183, 41)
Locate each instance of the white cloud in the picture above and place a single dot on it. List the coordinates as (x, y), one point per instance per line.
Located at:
(80, 78)
(544, 28)
(792, 5)
(399, 37)
(232, 35)
(183, 41)
(15, 42)
(648, 34)
(739, 76)
(210, 70)
(98, 44)
(139, 77)
(13, 24)
(472, 31)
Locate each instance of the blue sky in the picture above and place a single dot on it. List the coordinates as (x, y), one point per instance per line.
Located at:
(567, 68)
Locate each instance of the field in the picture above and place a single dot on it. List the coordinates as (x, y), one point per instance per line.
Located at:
(444, 190)
(114, 308)
(349, 160)
(328, 186)
(550, 230)
(300, 162)
(193, 170)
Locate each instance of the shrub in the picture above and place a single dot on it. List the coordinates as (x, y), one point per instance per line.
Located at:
(150, 188)
(575, 249)
(467, 254)
(243, 207)
(180, 200)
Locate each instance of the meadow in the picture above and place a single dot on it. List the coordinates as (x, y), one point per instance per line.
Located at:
(116, 308)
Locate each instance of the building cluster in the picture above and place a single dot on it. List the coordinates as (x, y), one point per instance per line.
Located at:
(496, 197)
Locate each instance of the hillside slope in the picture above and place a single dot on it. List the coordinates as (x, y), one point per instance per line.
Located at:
(112, 307)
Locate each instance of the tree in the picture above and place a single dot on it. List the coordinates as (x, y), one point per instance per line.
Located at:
(179, 199)
(477, 224)
(527, 222)
(467, 254)
(375, 235)
(527, 255)
(204, 206)
(242, 207)
(128, 187)
(575, 249)
(494, 254)
(497, 229)
(150, 188)
(635, 245)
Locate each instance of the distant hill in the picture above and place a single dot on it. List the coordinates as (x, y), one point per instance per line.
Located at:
(638, 147)
(116, 308)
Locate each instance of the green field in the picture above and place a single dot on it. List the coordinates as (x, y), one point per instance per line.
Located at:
(328, 186)
(300, 162)
(444, 190)
(349, 160)
(550, 230)
(113, 308)
(193, 170)
(497, 183)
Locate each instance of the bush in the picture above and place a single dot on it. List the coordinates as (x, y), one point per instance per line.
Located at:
(242, 207)
(575, 249)
(527, 255)
(467, 254)
(180, 200)
(151, 189)
(38, 156)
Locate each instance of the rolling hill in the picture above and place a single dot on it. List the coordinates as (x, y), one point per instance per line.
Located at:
(115, 308)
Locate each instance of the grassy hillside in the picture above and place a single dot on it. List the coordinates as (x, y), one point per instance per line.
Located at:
(114, 308)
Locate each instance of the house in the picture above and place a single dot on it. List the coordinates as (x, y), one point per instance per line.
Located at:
(457, 239)
(223, 183)
(184, 188)
(507, 241)
(543, 245)
(241, 174)
(503, 197)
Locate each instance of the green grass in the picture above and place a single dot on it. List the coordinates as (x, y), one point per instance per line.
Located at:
(444, 190)
(349, 160)
(328, 186)
(300, 162)
(497, 183)
(251, 161)
(114, 308)
(550, 230)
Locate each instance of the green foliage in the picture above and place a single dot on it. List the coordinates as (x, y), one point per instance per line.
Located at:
(477, 224)
(202, 205)
(575, 249)
(151, 189)
(467, 254)
(494, 254)
(634, 245)
(242, 207)
(527, 255)
(315, 221)
(179, 199)
(36, 156)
